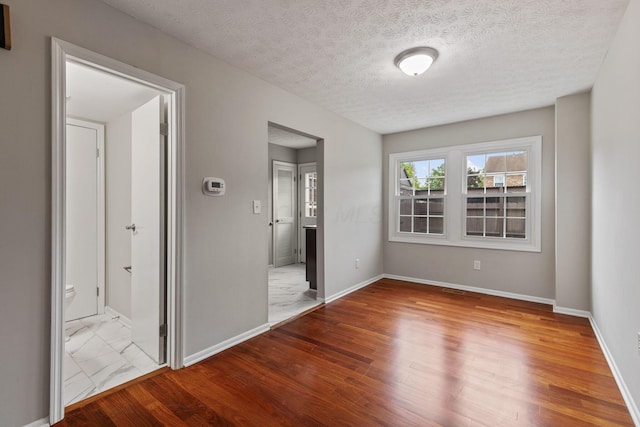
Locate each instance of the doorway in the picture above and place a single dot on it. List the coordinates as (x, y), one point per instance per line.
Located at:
(294, 212)
(149, 231)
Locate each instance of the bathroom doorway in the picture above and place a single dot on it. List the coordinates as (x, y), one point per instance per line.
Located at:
(116, 224)
(295, 210)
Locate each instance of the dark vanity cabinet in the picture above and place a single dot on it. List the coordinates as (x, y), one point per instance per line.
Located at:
(310, 249)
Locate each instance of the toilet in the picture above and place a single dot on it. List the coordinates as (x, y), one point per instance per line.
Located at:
(69, 295)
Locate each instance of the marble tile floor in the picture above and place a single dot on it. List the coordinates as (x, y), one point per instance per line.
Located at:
(289, 293)
(100, 355)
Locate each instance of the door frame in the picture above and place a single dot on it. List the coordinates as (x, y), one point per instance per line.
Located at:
(100, 206)
(301, 207)
(294, 196)
(61, 52)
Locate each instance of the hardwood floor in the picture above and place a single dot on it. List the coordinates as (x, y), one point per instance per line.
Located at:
(393, 354)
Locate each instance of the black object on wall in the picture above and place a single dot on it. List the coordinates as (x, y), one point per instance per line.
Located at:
(5, 27)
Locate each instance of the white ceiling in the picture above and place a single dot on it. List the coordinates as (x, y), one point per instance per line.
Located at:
(496, 56)
(289, 139)
(102, 97)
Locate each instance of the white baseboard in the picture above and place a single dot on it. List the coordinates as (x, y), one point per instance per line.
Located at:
(44, 422)
(208, 352)
(571, 312)
(352, 289)
(122, 318)
(485, 291)
(624, 390)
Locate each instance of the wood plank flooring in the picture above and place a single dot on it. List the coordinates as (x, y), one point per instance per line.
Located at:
(391, 354)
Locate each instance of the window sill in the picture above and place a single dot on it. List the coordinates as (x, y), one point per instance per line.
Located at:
(523, 246)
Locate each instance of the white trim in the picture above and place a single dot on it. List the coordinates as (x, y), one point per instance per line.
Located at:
(352, 289)
(43, 422)
(485, 291)
(208, 352)
(571, 311)
(121, 317)
(624, 390)
(100, 205)
(61, 52)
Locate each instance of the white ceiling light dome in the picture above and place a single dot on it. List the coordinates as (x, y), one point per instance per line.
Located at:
(416, 61)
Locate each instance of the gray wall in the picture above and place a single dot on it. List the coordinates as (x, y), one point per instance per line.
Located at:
(306, 155)
(282, 154)
(573, 202)
(118, 213)
(523, 273)
(227, 112)
(615, 202)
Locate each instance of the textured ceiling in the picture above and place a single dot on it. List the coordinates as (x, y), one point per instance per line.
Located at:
(289, 139)
(496, 56)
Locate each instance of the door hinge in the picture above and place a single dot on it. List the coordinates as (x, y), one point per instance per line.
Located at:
(98, 291)
(164, 129)
(97, 152)
(163, 330)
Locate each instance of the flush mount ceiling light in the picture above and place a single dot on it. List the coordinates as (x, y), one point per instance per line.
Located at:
(416, 61)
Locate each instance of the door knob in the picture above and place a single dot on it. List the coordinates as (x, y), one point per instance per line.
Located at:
(131, 227)
(277, 220)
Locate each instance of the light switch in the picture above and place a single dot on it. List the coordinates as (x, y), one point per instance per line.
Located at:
(257, 207)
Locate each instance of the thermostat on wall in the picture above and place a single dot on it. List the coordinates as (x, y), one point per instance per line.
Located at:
(213, 186)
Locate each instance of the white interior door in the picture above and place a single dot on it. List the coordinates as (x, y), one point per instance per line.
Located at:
(284, 214)
(147, 239)
(84, 221)
(307, 203)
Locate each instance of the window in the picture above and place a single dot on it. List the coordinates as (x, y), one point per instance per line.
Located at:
(310, 194)
(479, 195)
(496, 195)
(421, 199)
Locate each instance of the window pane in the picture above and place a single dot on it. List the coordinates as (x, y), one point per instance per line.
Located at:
(436, 167)
(420, 207)
(517, 161)
(436, 207)
(419, 224)
(496, 162)
(516, 207)
(516, 182)
(475, 206)
(475, 184)
(494, 180)
(405, 224)
(436, 184)
(494, 227)
(475, 226)
(436, 225)
(494, 206)
(475, 164)
(405, 206)
(406, 187)
(516, 228)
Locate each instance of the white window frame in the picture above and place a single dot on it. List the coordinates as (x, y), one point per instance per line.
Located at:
(455, 195)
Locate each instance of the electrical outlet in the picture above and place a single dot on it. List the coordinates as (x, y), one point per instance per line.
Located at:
(476, 265)
(357, 262)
